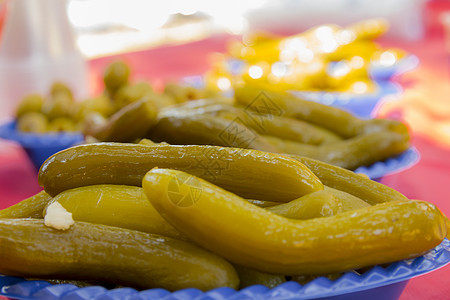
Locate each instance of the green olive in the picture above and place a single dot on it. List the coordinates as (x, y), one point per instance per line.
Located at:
(115, 76)
(32, 122)
(30, 103)
(60, 105)
(182, 93)
(60, 88)
(61, 124)
(101, 105)
(130, 93)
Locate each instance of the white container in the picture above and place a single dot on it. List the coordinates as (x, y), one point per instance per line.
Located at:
(38, 48)
(404, 16)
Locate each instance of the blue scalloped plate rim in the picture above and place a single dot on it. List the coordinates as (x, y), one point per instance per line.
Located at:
(8, 131)
(394, 275)
(390, 166)
(39, 146)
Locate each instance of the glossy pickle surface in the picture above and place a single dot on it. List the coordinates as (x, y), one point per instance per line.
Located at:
(267, 242)
(250, 173)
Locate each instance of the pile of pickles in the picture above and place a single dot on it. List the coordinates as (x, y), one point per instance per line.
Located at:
(328, 58)
(189, 188)
(154, 215)
(258, 116)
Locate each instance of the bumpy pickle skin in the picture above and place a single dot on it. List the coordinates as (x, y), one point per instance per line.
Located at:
(331, 118)
(350, 182)
(111, 254)
(347, 201)
(334, 119)
(362, 150)
(250, 173)
(292, 129)
(202, 129)
(270, 243)
(262, 203)
(313, 205)
(115, 205)
(267, 124)
(31, 207)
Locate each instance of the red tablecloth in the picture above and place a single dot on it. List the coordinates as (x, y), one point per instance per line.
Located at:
(425, 107)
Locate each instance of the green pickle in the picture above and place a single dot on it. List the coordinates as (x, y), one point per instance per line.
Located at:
(200, 129)
(262, 203)
(269, 243)
(364, 141)
(31, 207)
(354, 184)
(362, 150)
(331, 118)
(104, 253)
(347, 201)
(313, 205)
(252, 174)
(128, 124)
(267, 124)
(115, 205)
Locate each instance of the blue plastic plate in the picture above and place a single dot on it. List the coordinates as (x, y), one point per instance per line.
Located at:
(39, 146)
(392, 165)
(361, 105)
(385, 283)
(406, 64)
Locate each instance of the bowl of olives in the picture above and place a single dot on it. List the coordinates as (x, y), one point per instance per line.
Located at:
(45, 125)
(39, 146)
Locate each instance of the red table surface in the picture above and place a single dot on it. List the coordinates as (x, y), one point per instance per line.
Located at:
(425, 107)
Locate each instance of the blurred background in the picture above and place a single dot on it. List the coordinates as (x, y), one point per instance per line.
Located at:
(103, 29)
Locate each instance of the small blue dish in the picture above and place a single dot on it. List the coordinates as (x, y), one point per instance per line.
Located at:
(379, 282)
(39, 147)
